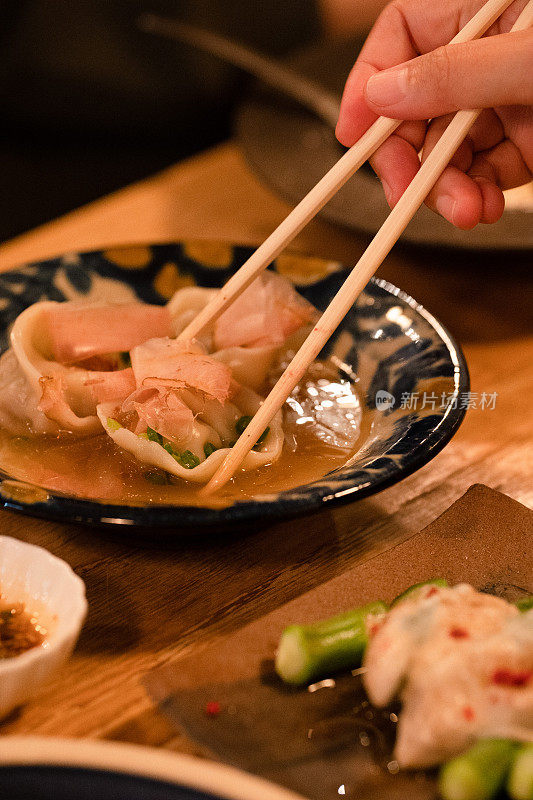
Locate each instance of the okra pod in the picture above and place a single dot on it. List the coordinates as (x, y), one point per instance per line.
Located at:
(413, 590)
(520, 783)
(310, 652)
(479, 773)
(525, 603)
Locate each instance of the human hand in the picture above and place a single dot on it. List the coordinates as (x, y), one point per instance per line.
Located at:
(434, 80)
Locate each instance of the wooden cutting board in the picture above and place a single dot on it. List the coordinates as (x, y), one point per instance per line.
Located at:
(330, 741)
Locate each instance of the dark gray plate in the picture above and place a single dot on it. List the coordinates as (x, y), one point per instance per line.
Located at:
(48, 768)
(64, 783)
(292, 149)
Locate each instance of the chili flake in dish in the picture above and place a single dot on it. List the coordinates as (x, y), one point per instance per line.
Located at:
(19, 630)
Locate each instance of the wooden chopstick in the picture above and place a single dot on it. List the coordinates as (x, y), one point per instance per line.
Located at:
(324, 190)
(367, 265)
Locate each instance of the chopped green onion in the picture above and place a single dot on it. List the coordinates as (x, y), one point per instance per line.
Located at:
(209, 448)
(154, 436)
(188, 460)
(262, 437)
(479, 773)
(241, 425)
(113, 424)
(414, 590)
(525, 603)
(520, 782)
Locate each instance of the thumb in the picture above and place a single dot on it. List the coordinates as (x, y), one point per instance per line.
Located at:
(495, 71)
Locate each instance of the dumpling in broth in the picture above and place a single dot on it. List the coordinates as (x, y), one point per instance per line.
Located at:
(178, 406)
(250, 333)
(67, 355)
(19, 405)
(185, 413)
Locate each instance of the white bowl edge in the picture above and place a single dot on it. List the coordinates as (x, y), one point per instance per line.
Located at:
(196, 773)
(34, 569)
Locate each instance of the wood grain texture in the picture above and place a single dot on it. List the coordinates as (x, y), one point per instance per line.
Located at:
(152, 598)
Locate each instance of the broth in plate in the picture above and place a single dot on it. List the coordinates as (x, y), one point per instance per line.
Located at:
(323, 422)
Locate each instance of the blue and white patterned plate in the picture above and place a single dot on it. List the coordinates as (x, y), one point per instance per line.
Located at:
(412, 375)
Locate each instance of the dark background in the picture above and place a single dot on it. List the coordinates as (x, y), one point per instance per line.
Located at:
(89, 103)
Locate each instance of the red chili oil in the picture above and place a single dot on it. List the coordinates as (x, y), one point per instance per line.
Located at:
(19, 630)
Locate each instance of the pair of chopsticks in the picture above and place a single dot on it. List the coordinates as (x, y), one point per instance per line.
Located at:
(369, 262)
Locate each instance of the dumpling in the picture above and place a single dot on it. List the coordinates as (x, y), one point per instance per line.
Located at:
(179, 364)
(248, 365)
(185, 305)
(249, 334)
(185, 413)
(79, 331)
(264, 315)
(69, 356)
(179, 406)
(19, 410)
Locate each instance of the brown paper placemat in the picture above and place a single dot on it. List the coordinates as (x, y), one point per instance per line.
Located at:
(331, 742)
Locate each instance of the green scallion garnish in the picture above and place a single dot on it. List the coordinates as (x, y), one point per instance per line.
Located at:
(188, 460)
(262, 437)
(241, 425)
(209, 448)
(154, 436)
(113, 424)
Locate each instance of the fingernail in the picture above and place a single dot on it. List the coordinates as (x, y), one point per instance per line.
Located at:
(445, 205)
(387, 88)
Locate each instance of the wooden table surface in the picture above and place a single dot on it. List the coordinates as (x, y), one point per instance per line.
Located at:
(152, 598)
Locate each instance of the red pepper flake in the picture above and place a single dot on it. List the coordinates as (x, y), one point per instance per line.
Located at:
(506, 677)
(432, 591)
(212, 709)
(374, 628)
(468, 713)
(459, 633)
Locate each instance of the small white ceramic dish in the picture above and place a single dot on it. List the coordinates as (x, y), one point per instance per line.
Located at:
(48, 586)
(59, 769)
